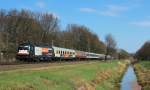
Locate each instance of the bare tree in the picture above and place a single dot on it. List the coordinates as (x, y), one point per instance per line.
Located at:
(49, 24)
(81, 38)
(110, 45)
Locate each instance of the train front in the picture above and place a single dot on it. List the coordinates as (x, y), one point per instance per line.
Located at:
(24, 52)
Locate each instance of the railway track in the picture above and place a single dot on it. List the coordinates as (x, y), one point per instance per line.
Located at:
(31, 65)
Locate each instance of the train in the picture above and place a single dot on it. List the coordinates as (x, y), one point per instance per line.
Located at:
(28, 51)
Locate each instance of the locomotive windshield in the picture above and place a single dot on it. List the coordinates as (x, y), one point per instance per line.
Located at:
(23, 50)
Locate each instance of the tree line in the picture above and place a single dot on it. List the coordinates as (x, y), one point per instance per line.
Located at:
(144, 52)
(19, 26)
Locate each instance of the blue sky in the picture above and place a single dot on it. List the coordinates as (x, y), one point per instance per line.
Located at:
(127, 20)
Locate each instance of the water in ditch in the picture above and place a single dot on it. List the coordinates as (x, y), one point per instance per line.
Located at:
(129, 81)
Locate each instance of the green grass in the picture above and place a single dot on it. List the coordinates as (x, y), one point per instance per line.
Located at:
(145, 64)
(53, 78)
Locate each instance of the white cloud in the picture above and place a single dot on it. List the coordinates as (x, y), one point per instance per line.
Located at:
(144, 23)
(113, 10)
(110, 10)
(41, 4)
(88, 10)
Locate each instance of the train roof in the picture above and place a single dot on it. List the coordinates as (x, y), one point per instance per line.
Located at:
(62, 48)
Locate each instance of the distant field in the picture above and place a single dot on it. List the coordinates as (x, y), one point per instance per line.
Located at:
(143, 73)
(90, 76)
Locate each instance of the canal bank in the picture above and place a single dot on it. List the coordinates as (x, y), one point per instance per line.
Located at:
(142, 70)
(129, 80)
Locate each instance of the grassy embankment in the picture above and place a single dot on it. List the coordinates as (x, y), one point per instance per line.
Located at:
(87, 76)
(142, 70)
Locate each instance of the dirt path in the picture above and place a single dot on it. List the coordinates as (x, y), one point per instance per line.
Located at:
(40, 65)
